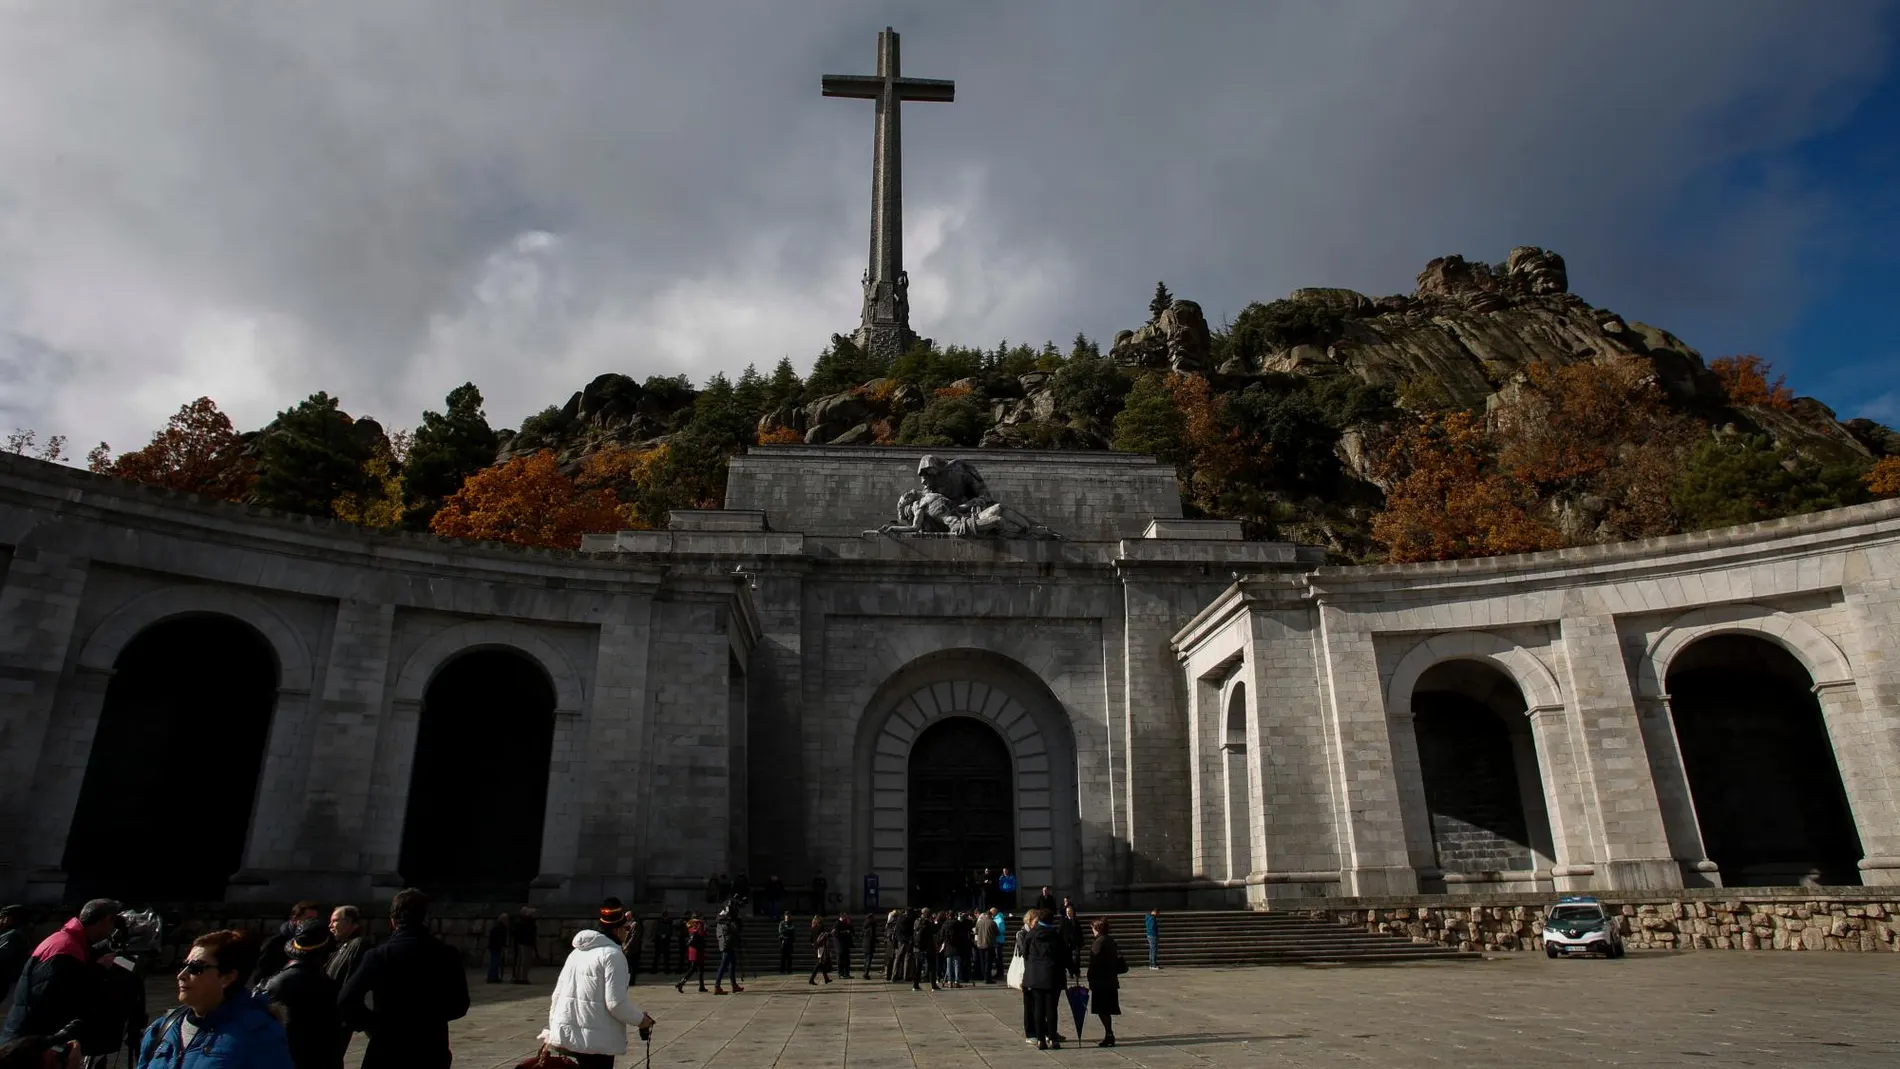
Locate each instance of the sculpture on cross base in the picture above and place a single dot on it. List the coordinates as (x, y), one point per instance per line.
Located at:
(953, 500)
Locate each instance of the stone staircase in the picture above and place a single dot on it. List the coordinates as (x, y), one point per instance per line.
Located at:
(1189, 939)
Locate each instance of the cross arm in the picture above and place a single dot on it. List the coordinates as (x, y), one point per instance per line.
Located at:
(939, 90)
(859, 86)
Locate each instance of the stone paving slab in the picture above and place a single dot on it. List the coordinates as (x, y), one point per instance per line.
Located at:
(1702, 1009)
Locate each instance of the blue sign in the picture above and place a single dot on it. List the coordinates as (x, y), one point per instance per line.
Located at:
(870, 891)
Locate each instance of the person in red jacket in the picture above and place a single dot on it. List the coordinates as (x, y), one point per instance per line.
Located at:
(62, 982)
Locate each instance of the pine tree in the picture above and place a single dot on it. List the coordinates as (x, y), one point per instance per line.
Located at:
(784, 387)
(311, 455)
(751, 393)
(447, 449)
(1160, 302)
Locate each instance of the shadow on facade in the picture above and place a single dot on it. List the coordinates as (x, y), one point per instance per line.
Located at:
(171, 782)
(1768, 794)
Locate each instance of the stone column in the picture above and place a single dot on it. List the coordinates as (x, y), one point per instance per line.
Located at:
(1159, 768)
(270, 841)
(1863, 719)
(1204, 733)
(387, 805)
(66, 751)
(39, 602)
(1295, 837)
(1632, 852)
(1239, 825)
(1415, 809)
(687, 762)
(593, 838)
(1673, 794)
(1359, 758)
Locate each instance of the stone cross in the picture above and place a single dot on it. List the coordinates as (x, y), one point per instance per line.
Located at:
(885, 329)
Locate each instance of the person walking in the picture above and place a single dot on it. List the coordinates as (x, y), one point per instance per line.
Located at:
(923, 946)
(984, 938)
(219, 1022)
(630, 945)
(589, 1013)
(1045, 973)
(497, 947)
(1153, 922)
(841, 934)
(60, 981)
(1002, 941)
(308, 998)
(352, 939)
(416, 985)
(1106, 966)
(821, 950)
(902, 958)
(525, 933)
(695, 944)
(726, 930)
(276, 952)
(872, 932)
(1071, 931)
(663, 942)
(1030, 1027)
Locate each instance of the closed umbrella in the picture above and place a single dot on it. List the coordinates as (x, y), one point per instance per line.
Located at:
(1079, 1005)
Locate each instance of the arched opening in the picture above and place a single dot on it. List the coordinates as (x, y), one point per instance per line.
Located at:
(962, 813)
(165, 806)
(478, 790)
(1768, 794)
(1239, 787)
(1479, 763)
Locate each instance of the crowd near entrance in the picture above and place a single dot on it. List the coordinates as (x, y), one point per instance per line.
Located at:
(962, 817)
(1768, 794)
(188, 709)
(1479, 763)
(478, 789)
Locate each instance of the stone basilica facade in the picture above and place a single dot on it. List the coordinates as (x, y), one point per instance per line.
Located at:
(204, 701)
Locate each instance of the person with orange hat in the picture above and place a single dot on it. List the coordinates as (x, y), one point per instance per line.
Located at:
(590, 1012)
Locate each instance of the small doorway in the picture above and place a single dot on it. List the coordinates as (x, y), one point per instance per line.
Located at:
(1482, 787)
(962, 811)
(479, 788)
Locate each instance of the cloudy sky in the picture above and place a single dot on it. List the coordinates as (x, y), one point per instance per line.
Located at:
(384, 198)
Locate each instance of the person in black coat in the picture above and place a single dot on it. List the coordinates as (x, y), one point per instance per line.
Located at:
(309, 996)
(15, 945)
(842, 934)
(1045, 971)
(1071, 930)
(418, 987)
(903, 961)
(1106, 966)
(275, 953)
(61, 981)
(923, 950)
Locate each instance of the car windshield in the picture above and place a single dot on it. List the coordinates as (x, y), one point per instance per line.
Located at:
(1565, 914)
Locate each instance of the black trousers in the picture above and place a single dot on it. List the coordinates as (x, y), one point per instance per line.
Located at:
(696, 967)
(1043, 1002)
(785, 955)
(594, 1061)
(844, 959)
(662, 955)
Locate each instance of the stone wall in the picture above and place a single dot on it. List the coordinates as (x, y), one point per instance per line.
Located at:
(1729, 919)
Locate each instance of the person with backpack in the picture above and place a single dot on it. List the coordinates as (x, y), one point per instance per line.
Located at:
(219, 1023)
(726, 930)
(589, 1013)
(307, 996)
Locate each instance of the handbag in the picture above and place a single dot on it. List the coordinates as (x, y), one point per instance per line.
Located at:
(1121, 965)
(548, 1058)
(1017, 967)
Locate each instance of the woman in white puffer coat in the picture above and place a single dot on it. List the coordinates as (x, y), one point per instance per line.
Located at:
(590, 1013)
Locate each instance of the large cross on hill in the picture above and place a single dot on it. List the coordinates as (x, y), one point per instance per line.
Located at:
(885, 329)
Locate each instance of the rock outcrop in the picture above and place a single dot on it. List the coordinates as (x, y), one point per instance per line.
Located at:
(1178, 339)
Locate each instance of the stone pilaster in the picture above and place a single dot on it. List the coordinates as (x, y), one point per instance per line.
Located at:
(1294, 840)
(1863, 719)
(38, 605)
(1358, 747)
(593, 837)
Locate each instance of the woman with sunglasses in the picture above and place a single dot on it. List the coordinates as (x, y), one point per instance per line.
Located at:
(219, 1023)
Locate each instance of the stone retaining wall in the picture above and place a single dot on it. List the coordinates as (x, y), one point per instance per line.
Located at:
(1701, 922)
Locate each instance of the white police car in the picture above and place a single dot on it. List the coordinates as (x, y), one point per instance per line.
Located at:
(1578, 924)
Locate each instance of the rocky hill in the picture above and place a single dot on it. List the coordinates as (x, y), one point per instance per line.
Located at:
(1461, 340)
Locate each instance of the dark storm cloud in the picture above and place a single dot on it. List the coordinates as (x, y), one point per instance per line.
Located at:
(258, 200)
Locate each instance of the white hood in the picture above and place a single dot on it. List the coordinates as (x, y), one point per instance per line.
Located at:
(590, 1012)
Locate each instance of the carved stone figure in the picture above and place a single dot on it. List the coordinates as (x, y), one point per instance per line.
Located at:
(953, 500)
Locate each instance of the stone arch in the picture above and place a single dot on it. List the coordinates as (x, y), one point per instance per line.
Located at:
(450, 642)
(1014, 702)
(1237, 780)
(109, 639)
(1532, 677)
(1825, 662)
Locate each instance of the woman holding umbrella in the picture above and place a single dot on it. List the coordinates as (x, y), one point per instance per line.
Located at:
(1106, 967)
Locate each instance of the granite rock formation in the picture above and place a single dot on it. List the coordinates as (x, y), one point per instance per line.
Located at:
(1177, 339)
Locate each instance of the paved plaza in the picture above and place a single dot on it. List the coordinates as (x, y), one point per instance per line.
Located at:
(1703, 1009)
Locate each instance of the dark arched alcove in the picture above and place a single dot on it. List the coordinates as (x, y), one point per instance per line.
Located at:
(962, 808)
(1767, 791)
(1479, 764)
(478, 791)
(166, 804)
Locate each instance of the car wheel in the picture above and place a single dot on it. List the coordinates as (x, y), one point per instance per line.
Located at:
(1550, 951)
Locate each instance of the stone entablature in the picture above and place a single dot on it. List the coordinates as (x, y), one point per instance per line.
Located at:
(1325, 663)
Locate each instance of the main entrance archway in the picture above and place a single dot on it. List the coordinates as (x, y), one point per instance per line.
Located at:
(479, 785)
(166, 802)
(962, 814)
(1761, 769)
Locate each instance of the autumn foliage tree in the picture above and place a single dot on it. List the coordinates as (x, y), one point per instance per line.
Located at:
(528, 501)
(1745, 380)
(198, 452)
(1883, 479)
(1447, 498)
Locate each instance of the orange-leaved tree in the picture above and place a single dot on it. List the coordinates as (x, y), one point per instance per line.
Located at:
(197, 452)
(530, 502)
(1446, 497)
(1598, 441)
(1883, 479)
(1745, 379)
